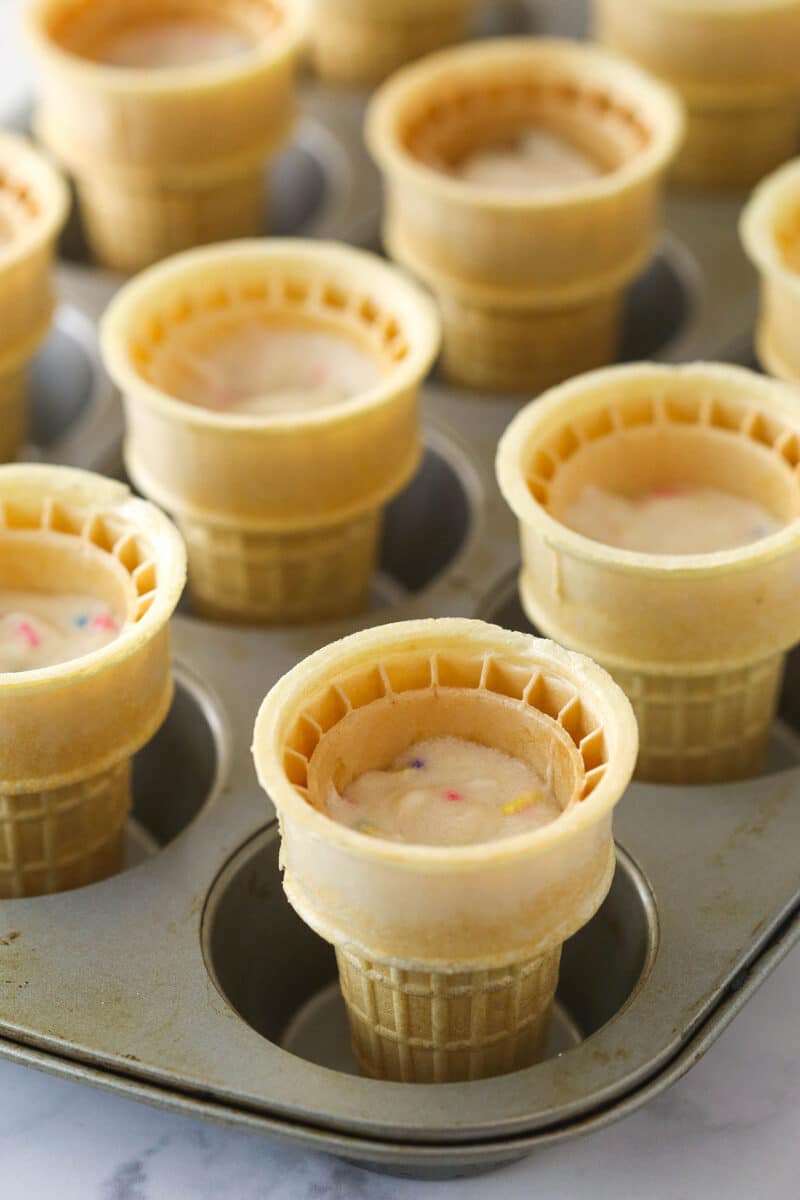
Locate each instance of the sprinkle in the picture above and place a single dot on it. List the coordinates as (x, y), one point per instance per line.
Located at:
(81, 621)
(369, 830)
(668, 490)
(105, 622)
(318, 375)
(26, 630)
(417, 764)
(521, 802)
(453, 796)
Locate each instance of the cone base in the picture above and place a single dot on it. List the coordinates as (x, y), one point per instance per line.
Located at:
(360, 52)
(65, 838)
(731, 149)
(13, 389)
(130, 226)
(436, 1027)
(526, 351)
(281, 578)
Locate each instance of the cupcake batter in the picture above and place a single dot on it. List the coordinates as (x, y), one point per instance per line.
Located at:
(447, 792)
(174, 43)
(40, 630)
(264, 371)
(538, 160)
(670, 520)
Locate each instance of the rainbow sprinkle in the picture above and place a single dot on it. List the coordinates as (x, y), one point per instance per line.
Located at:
(81, 621)
(521, 802)
(453, 796)
(29, 634)
(105, 622)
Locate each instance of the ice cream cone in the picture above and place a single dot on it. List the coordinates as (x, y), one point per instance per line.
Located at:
(697, 641)
(530, 282)
(70, 730)
(150, 179)
(770, 230)
(281, 512)
(448, 955)
(360, 42)
(736, 66)
(33, 208)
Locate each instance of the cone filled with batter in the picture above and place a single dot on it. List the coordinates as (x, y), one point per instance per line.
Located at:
(271, 396)
(360, 42)
(659, 514)
(33, 208)
(448, 954)
(737, 67)
(166, 114)
(770, 230)
(523, 179)
(89, 577)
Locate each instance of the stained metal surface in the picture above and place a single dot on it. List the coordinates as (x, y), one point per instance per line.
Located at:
(188, 982)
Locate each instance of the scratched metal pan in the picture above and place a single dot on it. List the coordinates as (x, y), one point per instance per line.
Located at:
(188, 982)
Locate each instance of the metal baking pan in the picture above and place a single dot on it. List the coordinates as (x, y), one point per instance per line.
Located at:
(188, 982)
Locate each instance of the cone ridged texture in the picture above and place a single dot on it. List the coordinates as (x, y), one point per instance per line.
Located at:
(52, 841)
(434, 1027)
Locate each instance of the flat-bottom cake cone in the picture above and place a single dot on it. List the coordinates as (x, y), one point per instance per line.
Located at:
(274, 577)
(435, 1026)
(696, 640)
(70, 729)
(734, 147)
(52, 841)
(132, 223)
(448, 954)
(527, 350)
(354, 50)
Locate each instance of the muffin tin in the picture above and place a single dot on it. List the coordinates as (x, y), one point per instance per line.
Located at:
(188, 982)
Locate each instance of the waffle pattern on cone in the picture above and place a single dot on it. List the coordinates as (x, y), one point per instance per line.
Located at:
(705, 728)
(284, 578)
(435, 1027)
(527, 350)
(51, 841)
(130, 224)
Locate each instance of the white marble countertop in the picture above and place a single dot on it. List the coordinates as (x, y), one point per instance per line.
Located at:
(731, 1128)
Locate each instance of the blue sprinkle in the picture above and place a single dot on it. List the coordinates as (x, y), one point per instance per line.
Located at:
(417, 764)
(81, 622)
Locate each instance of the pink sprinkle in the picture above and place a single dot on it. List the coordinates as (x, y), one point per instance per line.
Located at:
(105, 622)
(318, 375)
(26, 630)
(453, 796)
(667, 490)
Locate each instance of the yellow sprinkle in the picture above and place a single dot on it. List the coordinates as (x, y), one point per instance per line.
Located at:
(370, 830)
(521, 802)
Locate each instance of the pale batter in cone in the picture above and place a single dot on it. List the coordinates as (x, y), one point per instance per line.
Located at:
(281, 512)
(530, 282)
(69, 730)
(736, 64)
(697, 641)
(770, 230)
(360, 42)
(33, 208)
(168, 158)
(448, 955)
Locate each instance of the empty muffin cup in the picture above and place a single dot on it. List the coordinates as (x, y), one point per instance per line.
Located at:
(696, 640)
(523, 182)
(165, 116)
(33, 208)
(770, 230)
(448, 954)
(86, 688)
(271, 396)
(736, 66)
(360, 42)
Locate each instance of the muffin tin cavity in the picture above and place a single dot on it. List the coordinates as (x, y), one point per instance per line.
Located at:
(659, 305)
(281, 978)
(503, 607)
(437, 500)
(176, 773)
